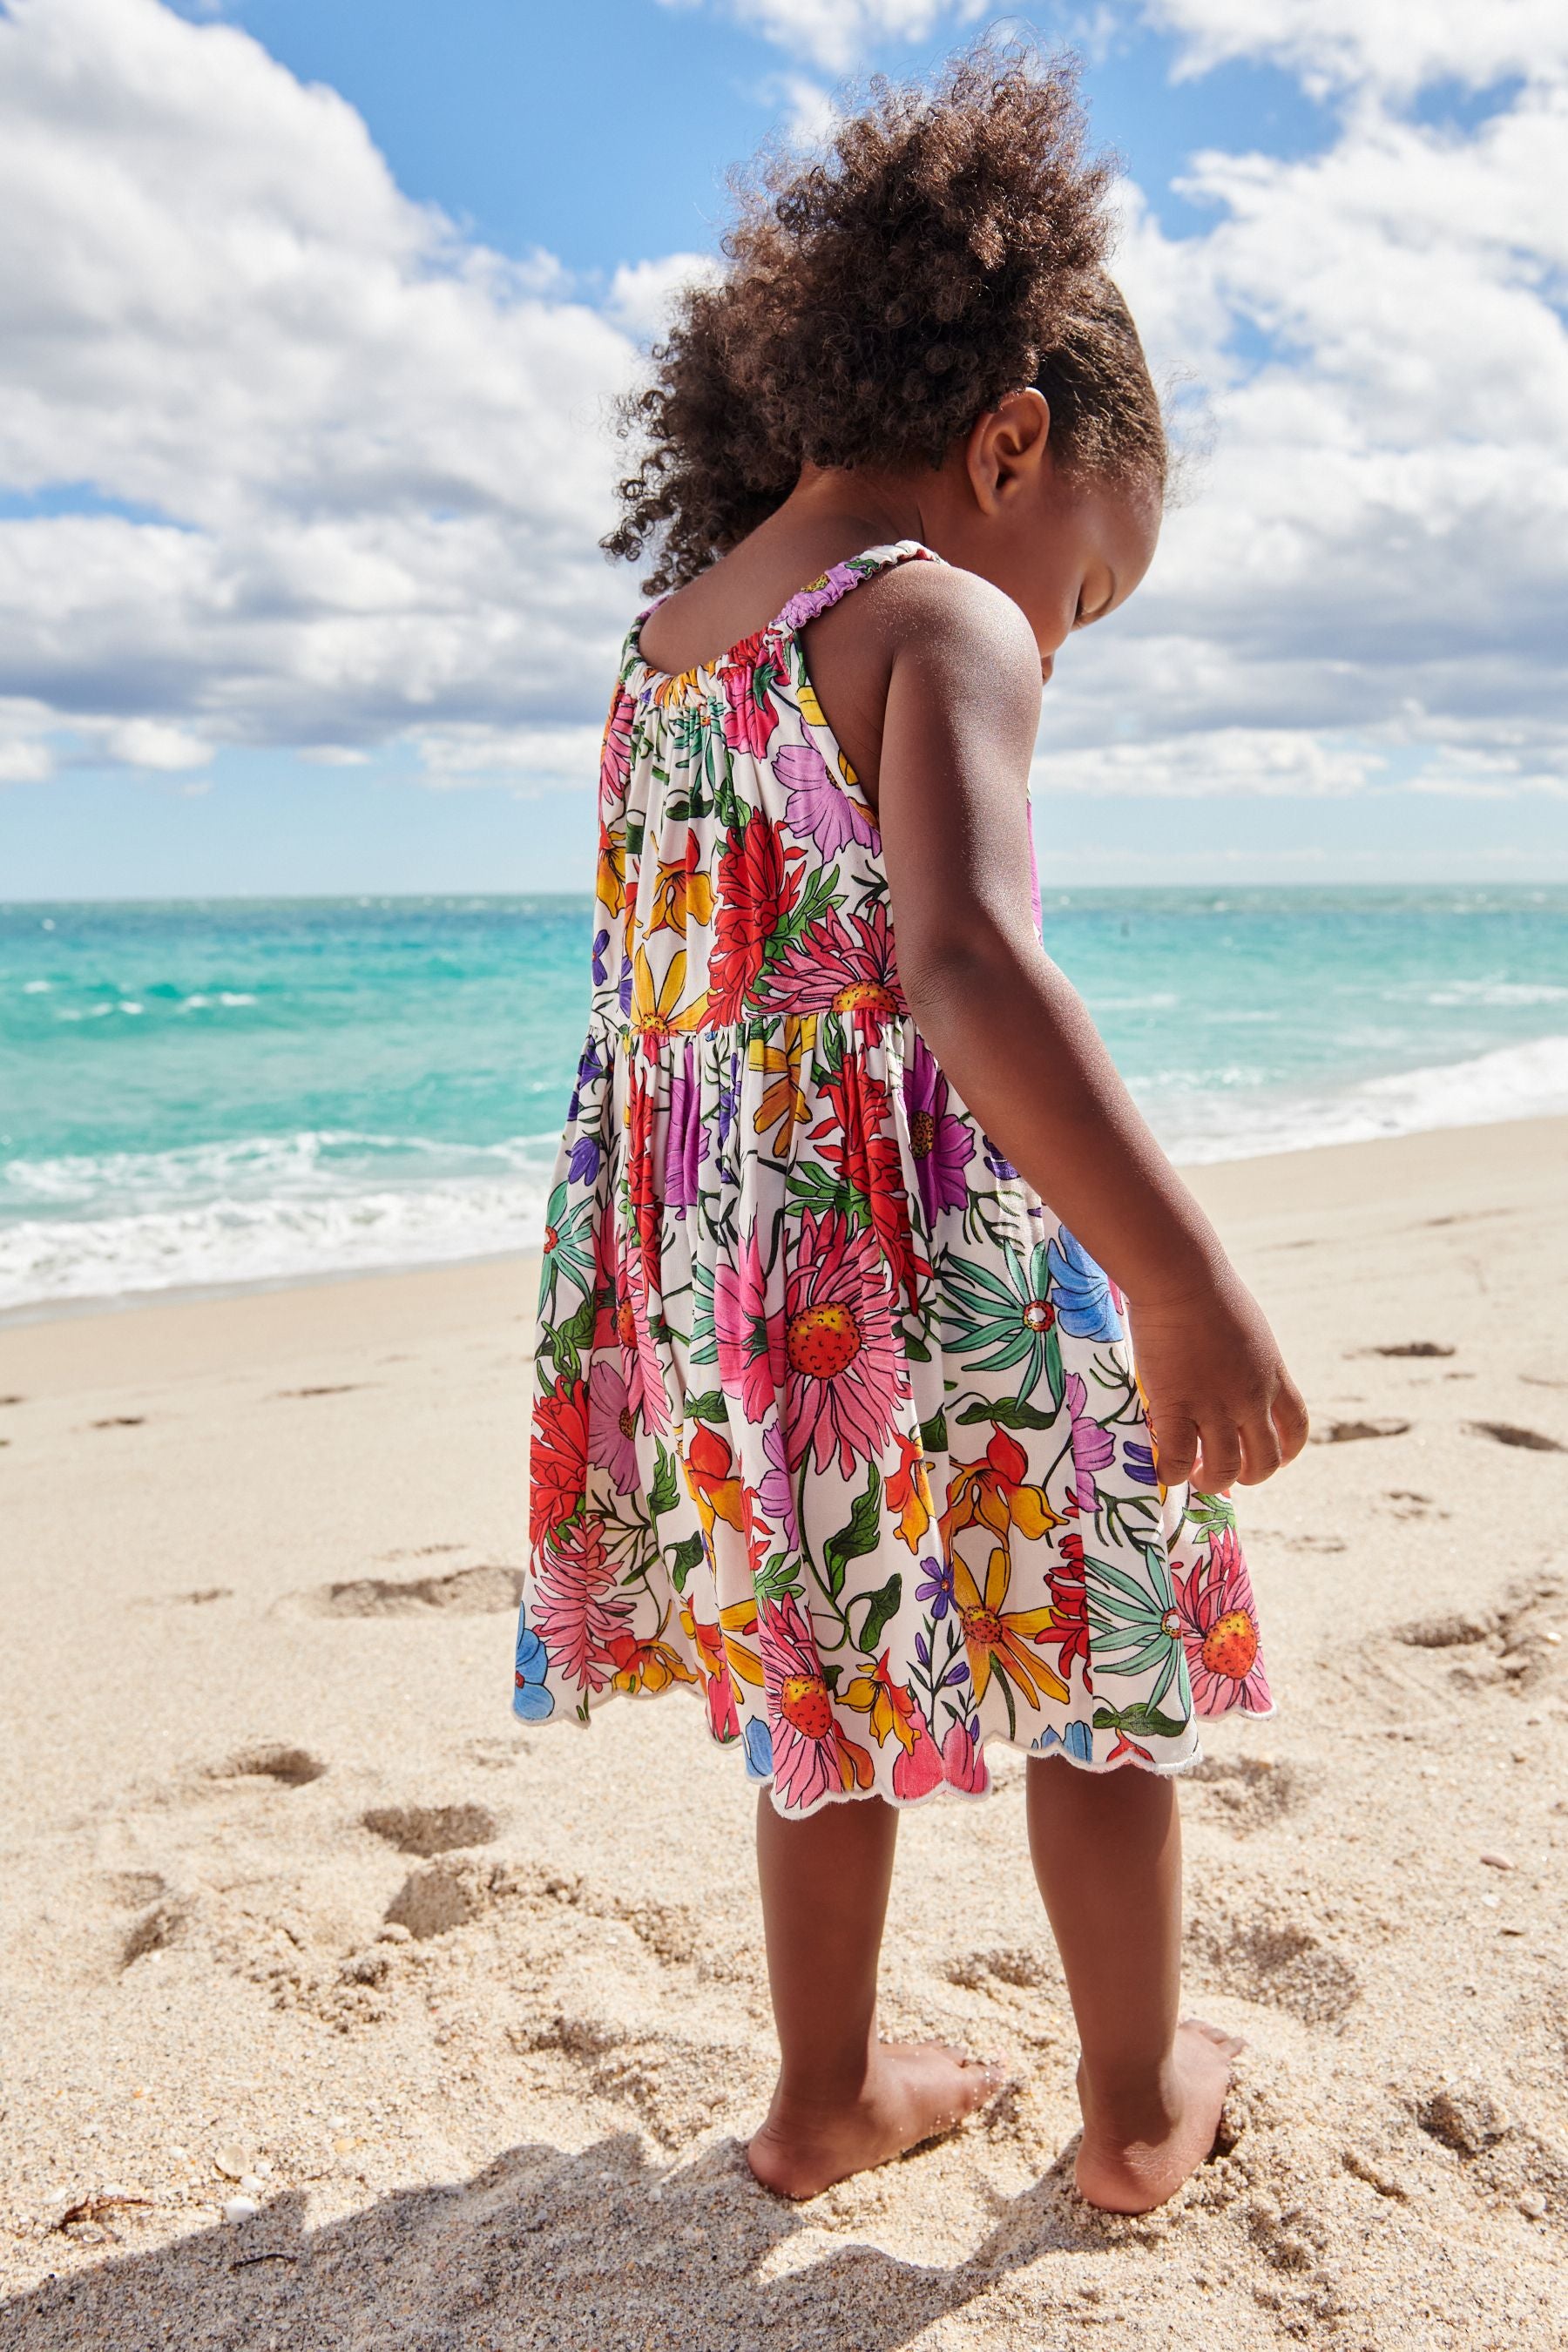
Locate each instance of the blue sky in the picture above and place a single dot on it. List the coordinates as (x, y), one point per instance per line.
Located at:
(315, 313)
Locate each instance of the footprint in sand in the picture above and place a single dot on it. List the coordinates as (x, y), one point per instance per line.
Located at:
(1507, 1433)
(323, 1388)
(1278, 1962)
(196, 1600)
(446, 1894)
(1409, 1347)
(292, 1768)
(162, 1924)
(1013, 1965)
(122, 1421)
(1346, 1433)
(465, 1592)
(431, 1829)
(1249, 1792)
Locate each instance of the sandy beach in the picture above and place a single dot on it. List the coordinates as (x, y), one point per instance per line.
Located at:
(473, 2016)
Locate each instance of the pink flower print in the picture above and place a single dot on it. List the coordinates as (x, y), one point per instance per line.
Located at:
(775, 1491)
(846, 1376)
(575, 1617)
(611, 1425)
(1093, 1446)
(639, 1356)
(812, 1757)
(818, 809)
(963, 1761)
(616, 752)
(750, 1336)
(1217, 1620)
(920, 1769)
(841, 967)
(751, 717)
(943, 1144)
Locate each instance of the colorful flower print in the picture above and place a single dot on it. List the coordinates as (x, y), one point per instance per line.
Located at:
(819, 810)
(844, 1370)
(836, 1426)
(1218, 1624)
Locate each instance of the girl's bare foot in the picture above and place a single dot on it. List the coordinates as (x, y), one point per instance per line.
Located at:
(1131, 2157)
(912, 2092)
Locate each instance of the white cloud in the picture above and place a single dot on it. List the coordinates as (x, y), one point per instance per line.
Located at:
(640, 291)
(154, 743)
(1396, 46)
(1256, 762)
(373, 455)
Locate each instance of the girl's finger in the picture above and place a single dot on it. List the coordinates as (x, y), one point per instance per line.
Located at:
(1290, 1418)
(1175, 1449)
(1262, 1450)
(1219, 1459)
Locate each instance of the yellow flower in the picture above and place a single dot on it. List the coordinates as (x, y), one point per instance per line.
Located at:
(784, 1103)
(996, 1639)
(681, 891)
(612, 868)
(887, 1704)
(992, 1492)
(740, 1617)
(810, 708)
(654, 1005)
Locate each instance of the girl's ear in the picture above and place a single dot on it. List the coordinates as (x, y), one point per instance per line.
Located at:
(1006, 448)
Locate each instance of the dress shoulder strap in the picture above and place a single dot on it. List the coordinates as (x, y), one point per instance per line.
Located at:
(819, 595)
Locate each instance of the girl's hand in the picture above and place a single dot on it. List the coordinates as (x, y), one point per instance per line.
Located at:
(1222, 1407)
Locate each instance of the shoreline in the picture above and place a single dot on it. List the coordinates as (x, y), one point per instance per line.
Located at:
(1214, 1181)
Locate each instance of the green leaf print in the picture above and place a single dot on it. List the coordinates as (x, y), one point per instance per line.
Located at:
(662, 1494)
(1141, 1721)
(933, 1434)
(884, 1604)
(859, 1537)
(683, 1558)
(1008, 1411)
(709, 1406)
(777, 1579)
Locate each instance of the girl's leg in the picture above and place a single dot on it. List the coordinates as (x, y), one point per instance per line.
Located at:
(845, 2099)
(1107, 1851)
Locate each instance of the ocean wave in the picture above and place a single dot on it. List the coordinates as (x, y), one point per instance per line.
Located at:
(291, 1208)
(1526, 1081)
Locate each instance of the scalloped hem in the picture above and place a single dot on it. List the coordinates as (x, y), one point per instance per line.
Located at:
(1164, 1769)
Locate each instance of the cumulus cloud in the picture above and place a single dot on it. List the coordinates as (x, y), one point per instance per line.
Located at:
(1386, 45)
(356, 466)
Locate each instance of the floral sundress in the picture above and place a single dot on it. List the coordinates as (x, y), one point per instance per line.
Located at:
(836, 1426)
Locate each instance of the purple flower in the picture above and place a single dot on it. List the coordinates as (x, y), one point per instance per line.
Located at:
(816, 597)
(625, 990)
(942, 1142)
(1002, 1170)
(583, 1165)
(1093, 1448)
(687, 1143)
(938, 1588)
(611, 1425)
(818, 809)
(601, 941)
(776, 1490)
(1138, 1461)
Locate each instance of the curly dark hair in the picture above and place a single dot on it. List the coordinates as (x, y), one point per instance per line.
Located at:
(945, 248)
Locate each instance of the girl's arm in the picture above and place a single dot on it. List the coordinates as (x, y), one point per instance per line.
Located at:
(1015, 1040)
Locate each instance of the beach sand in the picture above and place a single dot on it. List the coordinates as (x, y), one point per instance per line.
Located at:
(475, 2015)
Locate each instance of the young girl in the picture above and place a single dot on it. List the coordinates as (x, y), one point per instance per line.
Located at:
(838, 1425)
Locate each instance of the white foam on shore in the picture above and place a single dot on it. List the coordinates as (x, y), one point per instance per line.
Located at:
(298, 1208)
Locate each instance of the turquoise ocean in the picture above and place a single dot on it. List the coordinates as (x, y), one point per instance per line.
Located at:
(223, 1092)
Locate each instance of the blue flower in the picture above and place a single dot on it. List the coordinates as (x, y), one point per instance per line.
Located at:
(759, 1750)
(1078, 1739)
(531, 1699)
(937, 1589)
(584, 1166)
(1081, 1290)
(1138, 1461)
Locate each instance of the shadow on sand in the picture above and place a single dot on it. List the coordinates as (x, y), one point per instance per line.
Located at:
(598, 2252)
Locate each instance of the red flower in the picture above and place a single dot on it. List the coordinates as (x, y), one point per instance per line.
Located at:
(1068, 1631)
(860, 1142)
(753, 893)
(558, 1458)
(750, 718)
